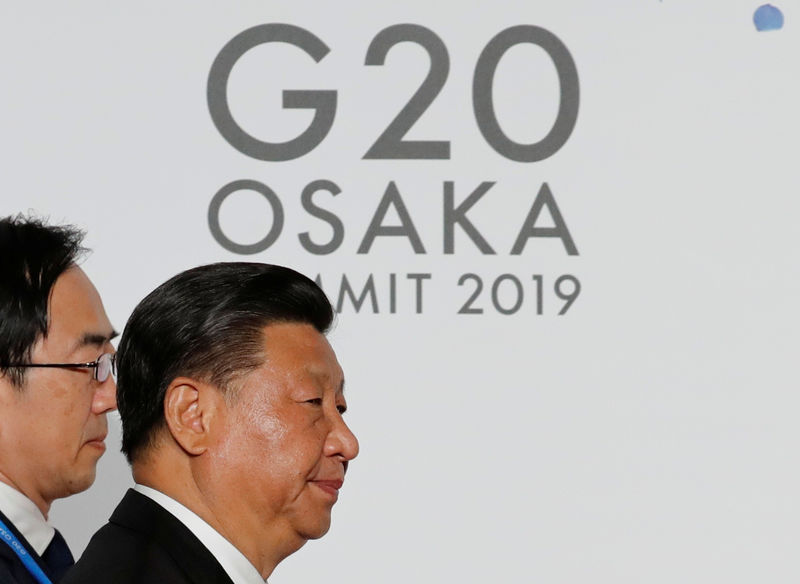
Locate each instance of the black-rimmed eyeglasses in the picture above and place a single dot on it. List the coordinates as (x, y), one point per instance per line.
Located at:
(105, 365)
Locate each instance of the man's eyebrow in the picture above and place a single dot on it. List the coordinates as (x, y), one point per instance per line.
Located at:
(95, 339)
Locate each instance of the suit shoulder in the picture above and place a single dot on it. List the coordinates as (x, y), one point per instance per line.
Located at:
(123, 556)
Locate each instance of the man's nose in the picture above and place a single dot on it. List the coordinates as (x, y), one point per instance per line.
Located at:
(341, 441)
(105, 397)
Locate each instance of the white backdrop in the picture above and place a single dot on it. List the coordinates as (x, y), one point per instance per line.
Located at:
(646, 435)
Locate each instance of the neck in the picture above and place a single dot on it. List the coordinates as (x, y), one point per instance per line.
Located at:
(175, 475)
(38, 500)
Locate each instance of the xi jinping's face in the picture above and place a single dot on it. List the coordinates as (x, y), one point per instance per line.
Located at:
(286, 447)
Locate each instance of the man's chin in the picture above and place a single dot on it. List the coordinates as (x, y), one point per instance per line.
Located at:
(80, 482)
(316, 530)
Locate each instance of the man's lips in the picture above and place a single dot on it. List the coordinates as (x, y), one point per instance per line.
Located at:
(329, 486)
(97, 441)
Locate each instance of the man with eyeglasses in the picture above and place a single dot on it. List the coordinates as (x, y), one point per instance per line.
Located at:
(56, 386)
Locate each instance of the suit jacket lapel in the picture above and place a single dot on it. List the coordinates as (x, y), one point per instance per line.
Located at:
(142, 514)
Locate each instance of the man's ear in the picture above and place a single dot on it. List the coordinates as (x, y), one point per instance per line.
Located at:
(191, 408)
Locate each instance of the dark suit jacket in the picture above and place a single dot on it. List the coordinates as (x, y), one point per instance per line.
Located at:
(12, 570)
(144, 543)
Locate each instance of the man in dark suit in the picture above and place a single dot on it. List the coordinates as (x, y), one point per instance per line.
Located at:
(56, 385)
(231, 401)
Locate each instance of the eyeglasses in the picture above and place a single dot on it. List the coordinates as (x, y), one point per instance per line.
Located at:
(105, 365)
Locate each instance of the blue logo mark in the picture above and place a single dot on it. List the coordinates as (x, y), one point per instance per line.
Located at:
(768, 17)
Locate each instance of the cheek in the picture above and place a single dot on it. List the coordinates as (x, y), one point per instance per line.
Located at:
(74, 415)
(60, 417)
(65, 400)
(265, 424)
(274, 440)
(284, 444)
(252, 440)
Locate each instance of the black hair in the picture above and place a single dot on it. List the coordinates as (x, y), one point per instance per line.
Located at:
(32, 257)
(205, 323)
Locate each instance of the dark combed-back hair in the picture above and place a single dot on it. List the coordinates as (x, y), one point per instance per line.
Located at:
(32, 257)
(207, 324)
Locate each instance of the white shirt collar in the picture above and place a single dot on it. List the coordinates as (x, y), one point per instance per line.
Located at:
(235, 564)
(26, 517)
